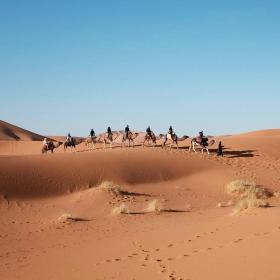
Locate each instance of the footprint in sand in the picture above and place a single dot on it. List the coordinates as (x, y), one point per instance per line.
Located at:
(147, 258)
(238, 240)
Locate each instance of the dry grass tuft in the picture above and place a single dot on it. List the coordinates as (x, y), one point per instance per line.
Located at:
(110, 187)
(154, 206)
(64, 217)
(247, 195)
(122, 209)
(245, 188)
(224, 204)
(276, 194)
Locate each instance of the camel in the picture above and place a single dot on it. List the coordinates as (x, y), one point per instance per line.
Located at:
(201, 144)
(50, 147)
(151, 137)
(72, 144)
(108, 138)
(174, 139)
(129, 137)
(90, 142)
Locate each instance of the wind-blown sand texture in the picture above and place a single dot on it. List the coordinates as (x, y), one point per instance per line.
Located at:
(87, 215)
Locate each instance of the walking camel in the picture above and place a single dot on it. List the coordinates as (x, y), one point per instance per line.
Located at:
(151, 137)
(108, 138)
(201, 143)
(90, 142)
(174, 139)
(129, 137)
(50, 147)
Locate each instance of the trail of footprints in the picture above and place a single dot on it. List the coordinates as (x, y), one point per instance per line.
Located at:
(147, 257)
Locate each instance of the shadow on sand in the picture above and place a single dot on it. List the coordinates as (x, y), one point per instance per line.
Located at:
(158, 212)
(240, 153)
(134, 193)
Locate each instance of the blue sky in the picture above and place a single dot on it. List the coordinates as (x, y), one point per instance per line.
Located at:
(68, 66)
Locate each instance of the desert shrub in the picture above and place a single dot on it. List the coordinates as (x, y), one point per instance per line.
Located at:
(110, 187)
(122, 209)
(154, 206)
(248, 195)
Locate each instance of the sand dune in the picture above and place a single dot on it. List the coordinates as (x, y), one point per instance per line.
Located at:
(12, 132)
(63, 210)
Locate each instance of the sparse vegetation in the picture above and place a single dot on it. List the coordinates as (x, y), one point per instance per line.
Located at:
(154, 206)
(276, 194)
(122, 209)
(247, 195)
(64, 217)
(110, 187)
(224, 204)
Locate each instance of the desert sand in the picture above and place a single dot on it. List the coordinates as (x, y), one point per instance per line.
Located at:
(60, 213)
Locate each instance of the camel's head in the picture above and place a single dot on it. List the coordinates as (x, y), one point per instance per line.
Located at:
(161, 135)
(185, 137)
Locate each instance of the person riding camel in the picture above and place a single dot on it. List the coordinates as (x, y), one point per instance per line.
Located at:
(109, 131)
(69, 138)
(201, 138)
(148, 130)
(170, 131)
(126, 131)
(46, 143)
(92, 133)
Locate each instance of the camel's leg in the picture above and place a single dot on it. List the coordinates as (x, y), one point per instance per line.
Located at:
(193, 147)
(144, 143)
(164, 142)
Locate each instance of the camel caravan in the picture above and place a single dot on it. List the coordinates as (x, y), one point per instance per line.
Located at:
(128, 138)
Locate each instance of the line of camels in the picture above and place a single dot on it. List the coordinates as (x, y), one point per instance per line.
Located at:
(149, 140)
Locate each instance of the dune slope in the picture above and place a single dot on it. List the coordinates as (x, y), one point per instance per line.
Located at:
(11, 132)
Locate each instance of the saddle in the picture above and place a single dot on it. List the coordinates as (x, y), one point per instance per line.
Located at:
(202, 141)
(198, 140)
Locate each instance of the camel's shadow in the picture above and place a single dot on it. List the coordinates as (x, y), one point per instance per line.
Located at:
(236, 154)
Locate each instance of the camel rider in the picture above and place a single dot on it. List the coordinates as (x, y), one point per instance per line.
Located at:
(92, 133)
(126, 131)
(170, 131)
(201, 137)
(148, 130)
(109, 131)
(46, 143)
(69, 138)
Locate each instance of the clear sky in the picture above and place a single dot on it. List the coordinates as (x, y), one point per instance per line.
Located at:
(68, 66)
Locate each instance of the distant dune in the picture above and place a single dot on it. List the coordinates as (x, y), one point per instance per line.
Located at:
(11, 132)
(265, 132)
